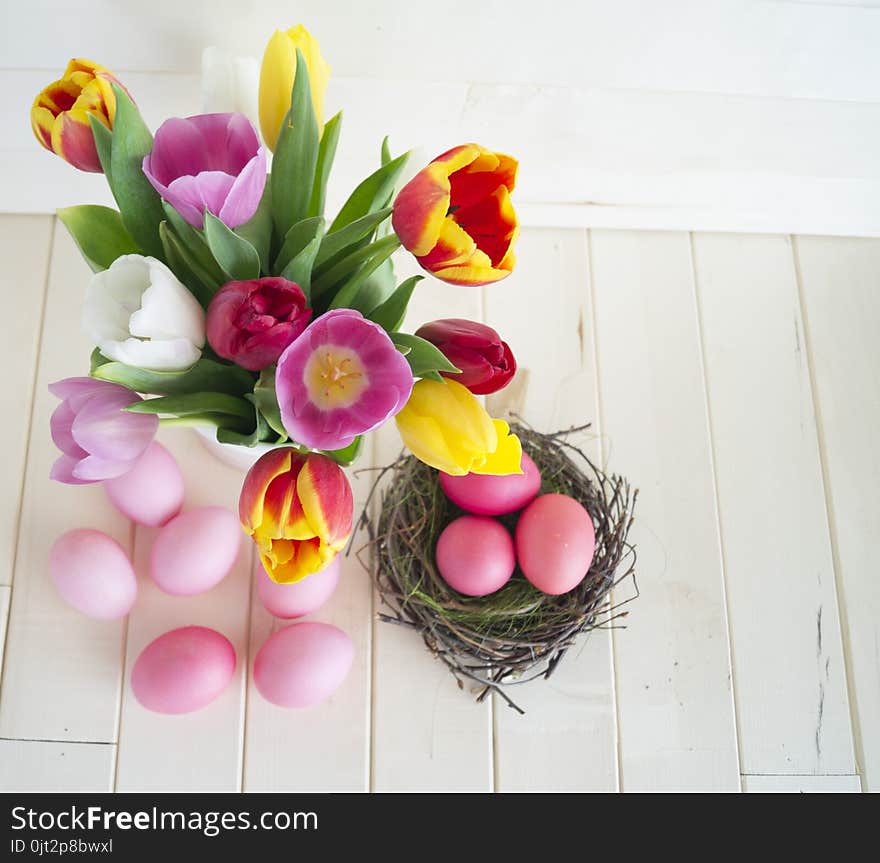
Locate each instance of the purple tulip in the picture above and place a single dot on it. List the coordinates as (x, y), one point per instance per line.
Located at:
(212, 162)
(341, 378)
(98, 439)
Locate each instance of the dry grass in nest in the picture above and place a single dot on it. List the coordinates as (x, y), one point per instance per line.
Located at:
(516, 633)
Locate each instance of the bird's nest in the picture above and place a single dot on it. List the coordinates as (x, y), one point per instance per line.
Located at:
(516, 633)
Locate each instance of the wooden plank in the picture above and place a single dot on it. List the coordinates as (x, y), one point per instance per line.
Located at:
(326, 747)
(567, 739)
(77, 659)
(790, 678)
(675, 706)
(840, 284)
(428, 735)
(802, 784)
(44, 765)
(24, 247)
(5, 595)
(199, 751)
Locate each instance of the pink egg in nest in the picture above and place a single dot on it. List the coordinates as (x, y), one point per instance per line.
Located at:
(92, 573)
(195, 551)
(475, 555)
(301, 597)
(555, 541)
(183, 670)
(151, 493)
(493, 495)
(303, 664)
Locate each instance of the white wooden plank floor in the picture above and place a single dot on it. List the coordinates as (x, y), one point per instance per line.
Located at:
(733, 378)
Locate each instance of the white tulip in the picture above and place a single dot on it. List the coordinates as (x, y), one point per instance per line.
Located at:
(138, 313)
(230, 84)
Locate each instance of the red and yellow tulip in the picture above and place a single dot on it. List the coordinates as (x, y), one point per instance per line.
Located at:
(60, 113)
(298, 509)
(456, 217)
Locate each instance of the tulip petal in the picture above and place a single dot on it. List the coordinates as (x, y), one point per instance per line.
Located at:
(72, 139)
(471, 276)
(326, 499)
(103, 429)
(276, 84)
(95, 469)
(507, 457)
(42, 121)
(63, 471)
(253, 491)
(423, 437)
(245, 193)
(68, 387)
(60, 425)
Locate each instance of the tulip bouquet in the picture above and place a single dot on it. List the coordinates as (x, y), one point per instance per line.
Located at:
(223, 296)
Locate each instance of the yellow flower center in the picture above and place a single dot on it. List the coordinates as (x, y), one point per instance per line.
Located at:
(335, 377)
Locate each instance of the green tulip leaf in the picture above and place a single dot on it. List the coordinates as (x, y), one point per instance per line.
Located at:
(345, 240)
(258, 231)
(391, 313)
(296, 155)
(205, 376)
(180, 259)
(298, 237)
(326, 154)
(372, 194)
(299, 270)
(259, 430)
(347, 455)
(236, 256)
(342, 271)
(425, 359)
(267, 402)
(385, 152)
(195, 245)
(139, 203)
(98, 233)
(351, 287)
(103, 138)
(376, 289)
(96, 360)
(195, 403)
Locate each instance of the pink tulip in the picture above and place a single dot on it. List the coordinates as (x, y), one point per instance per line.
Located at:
(212, 162)
(98, 439)
(341, 378)
(252, 322)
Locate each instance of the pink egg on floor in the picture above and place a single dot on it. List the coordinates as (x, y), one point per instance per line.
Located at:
(183, 670)
(493, 495)
(303, 664)
(300, 597)
(93, 574)
(151, 493)
(555, 541)
(475, 555)
(195, 551)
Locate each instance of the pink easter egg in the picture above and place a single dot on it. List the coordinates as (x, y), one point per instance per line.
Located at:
(300, 597)
(151, 493)
(555, 541)
(303, 664)
(475, 555)
(195, 551)
(93, 574)
(183, 670)
(493, 495)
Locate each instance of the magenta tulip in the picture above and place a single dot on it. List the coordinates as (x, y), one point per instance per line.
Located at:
(487, 363)
(98, 439)
(341, 378)
(252, 322)
(212, 162)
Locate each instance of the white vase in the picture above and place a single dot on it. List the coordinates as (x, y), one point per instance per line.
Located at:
(240, 457)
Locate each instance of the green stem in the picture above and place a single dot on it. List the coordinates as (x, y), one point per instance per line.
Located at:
(351, 262)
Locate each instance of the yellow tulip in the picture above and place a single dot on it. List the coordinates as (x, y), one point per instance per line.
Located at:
(277, 75)
(445, 426)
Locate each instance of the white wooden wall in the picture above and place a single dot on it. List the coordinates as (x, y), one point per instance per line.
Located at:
(736, 115)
